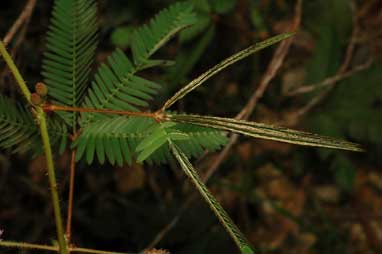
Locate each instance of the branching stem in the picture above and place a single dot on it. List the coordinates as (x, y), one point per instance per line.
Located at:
(41, 120)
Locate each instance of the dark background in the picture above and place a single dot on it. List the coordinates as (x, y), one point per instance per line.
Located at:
(285, 198)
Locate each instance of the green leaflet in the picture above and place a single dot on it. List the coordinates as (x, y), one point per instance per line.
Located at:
(116, 87)
(71, 43)
(17, 128)
(19, 133)
(112, 139)
(159, 135)
(130, 132)
(223, 217)
(149, 38)
(222, 65)
(265, 131)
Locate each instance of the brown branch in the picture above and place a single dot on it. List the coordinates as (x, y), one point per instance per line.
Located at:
(51, 107)
(342, 70)
(273, 67)
(330, 81)
(23, 18)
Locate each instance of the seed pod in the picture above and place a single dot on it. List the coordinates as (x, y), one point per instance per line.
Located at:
(41, 89)
(36, 99)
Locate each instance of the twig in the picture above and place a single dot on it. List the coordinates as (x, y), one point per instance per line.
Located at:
(273, 67)
(51, 107)
(22, 245)
(342, 71)
(23, 18)
(85, 250)
(330, 81)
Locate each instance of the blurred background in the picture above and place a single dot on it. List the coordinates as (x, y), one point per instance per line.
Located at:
(285, 198)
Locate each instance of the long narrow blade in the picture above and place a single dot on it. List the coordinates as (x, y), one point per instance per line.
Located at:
(265, 131)
(222, 65)
(231, 228)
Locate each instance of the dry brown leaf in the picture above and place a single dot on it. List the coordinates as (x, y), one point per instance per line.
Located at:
(156, 251)
(327, 193)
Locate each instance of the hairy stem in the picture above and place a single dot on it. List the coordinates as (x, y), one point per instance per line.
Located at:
(41, 120)
(51, 107)
(71, 194)
(22, 245)
(40, 115)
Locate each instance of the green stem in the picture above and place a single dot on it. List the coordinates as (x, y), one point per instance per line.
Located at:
(21, 245)
(40, 116)
(85, 250)
(20, 81)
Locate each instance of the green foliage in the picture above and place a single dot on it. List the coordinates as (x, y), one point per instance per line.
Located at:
(121, 36)
(196, 38)
(116, 89)
(123, 134)
(19, 133)
(149, 38)
(222, 6)
(71, 43)
(17, 129)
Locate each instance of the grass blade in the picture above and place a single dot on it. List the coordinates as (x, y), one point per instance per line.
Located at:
(222, 65)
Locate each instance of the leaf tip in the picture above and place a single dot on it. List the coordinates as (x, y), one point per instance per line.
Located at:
(247, 250)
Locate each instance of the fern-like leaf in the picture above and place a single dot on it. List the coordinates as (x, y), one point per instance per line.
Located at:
(149, 38)
(71, 43)
(116, 87)
(265, 131)
(159, 134)
(18, 131)
(224, 218)
(112, 139)
(127, 133)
